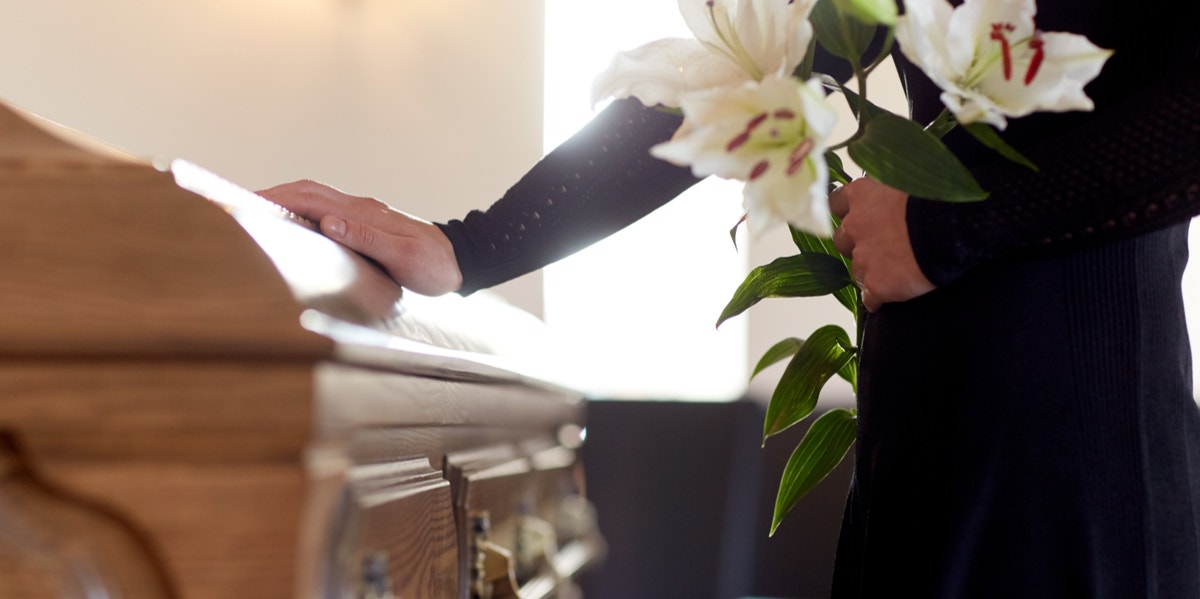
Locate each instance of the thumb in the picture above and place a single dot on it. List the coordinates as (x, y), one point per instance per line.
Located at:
(356, 235)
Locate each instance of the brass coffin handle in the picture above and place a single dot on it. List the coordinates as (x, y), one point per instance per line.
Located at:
(544, 566)
(493, 575)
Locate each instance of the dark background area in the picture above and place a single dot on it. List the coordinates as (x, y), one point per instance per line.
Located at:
(685, 493)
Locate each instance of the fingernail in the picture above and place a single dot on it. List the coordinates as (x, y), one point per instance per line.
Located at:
(334, 226)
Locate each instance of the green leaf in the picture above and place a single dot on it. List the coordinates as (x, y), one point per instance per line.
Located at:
(809, 243)
(900, 153)
(847, 38)
(837, 171)
(821, 356)
(733, 231)
(990, 138)
(803, 71)
(849, 373)
(944, 123)
(784, 349)
(870, 12)
(805, 275)
(822, 449)
(870, 109)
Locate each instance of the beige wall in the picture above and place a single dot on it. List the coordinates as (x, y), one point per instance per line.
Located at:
(432, 105)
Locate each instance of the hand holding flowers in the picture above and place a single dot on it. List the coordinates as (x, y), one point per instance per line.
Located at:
(874, 232)
(754, 110)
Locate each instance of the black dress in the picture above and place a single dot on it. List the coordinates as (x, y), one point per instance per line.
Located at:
(1028, 429)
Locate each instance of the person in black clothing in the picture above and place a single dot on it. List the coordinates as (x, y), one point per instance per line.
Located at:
(1027, 426)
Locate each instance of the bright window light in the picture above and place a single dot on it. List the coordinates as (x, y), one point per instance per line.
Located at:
(1191, 299)
(639, 309)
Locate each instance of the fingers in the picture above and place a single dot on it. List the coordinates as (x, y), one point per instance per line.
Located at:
(843, 241)
(874, 233)
(423, 261)
(305, 198)
(377, 245)
(870, 301)
(889, 283)
(839, 202)
(355, 235)
(314, 201)
(839, 206)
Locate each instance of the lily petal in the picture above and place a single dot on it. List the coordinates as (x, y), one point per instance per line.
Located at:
(774, 199)
(660, 71)
(921, 33)
(775, 34)
(699, 17)
(1070, 62)
(992, 63)
(771, 134)
(761, 36)
(736, 41)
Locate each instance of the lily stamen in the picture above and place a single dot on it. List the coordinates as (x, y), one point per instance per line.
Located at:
(1035, 63)
(737, 142)
(759, 169)
(734, 50)
(743, 137)
(799, 155)
(999, 31)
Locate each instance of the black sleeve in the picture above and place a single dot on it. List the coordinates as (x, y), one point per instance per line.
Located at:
(1132, 169)
(599, 181)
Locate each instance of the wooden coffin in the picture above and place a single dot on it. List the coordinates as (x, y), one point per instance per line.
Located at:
(201, 397)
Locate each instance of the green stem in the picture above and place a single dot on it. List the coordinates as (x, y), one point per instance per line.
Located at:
(858, 107)
(943, 124)
(857, 132)
(885, 50)
(861, 76)
(860, 321)
(804, 69)
(859, 73)
(860, 328)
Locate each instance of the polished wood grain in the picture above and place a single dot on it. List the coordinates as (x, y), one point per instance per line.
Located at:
(171, 409)
(201, 397)
(121, 261)
(54, 543)
(203, 460)
(406, 523)
(378, 398)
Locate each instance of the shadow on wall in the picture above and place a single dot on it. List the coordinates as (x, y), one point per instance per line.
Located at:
(685, 494)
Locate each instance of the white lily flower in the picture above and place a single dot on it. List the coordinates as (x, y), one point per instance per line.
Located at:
(736, 41)
(991, 62)
(773, 135)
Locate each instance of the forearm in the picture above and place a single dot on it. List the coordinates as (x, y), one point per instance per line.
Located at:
(1133, 169)
(599, 181)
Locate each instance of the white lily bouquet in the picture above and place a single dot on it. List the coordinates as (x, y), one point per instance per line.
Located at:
(754, 110)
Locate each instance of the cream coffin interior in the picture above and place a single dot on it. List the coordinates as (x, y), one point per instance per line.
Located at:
(201, 397)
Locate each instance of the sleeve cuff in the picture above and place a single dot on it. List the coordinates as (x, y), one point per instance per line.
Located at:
(934, 240)
(454, 232)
